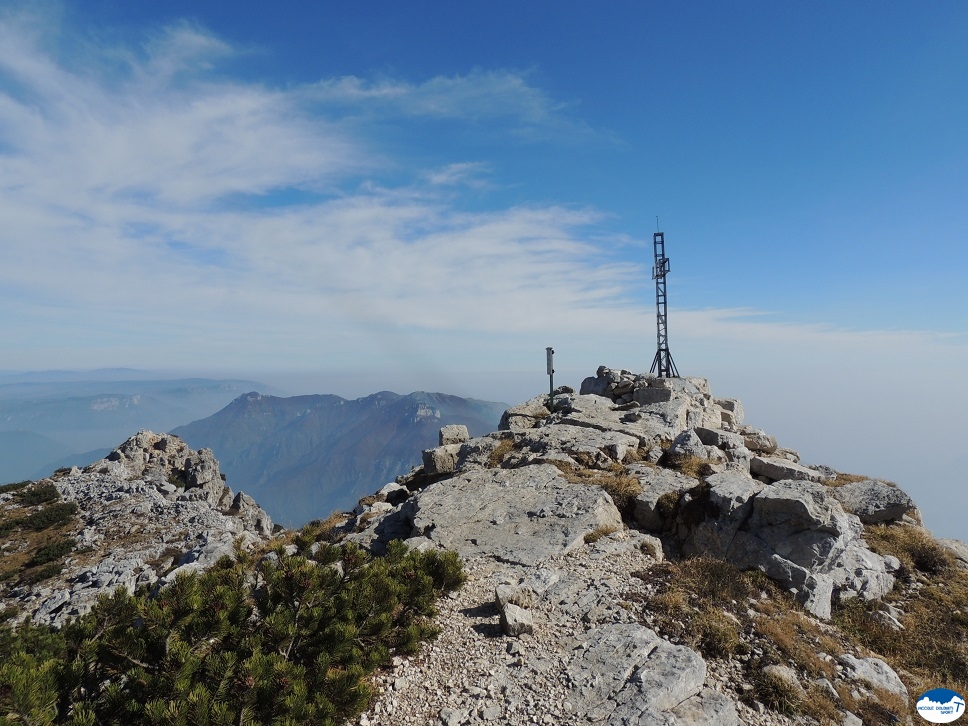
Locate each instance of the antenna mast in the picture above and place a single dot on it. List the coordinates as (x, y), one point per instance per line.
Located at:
(662, 365)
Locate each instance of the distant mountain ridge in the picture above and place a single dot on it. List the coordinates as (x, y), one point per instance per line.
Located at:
(303, 457)
(60, 418)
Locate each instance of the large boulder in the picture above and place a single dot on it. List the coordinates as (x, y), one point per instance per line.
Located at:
(525, 415)
(590, 447)
(656, 483)
(775, 468)
(729, 496)
(798, 534)
(514, 515)
(874, 501)
(624, 673)
(688, 443)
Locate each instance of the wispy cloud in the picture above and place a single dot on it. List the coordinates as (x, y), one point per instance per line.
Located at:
(121, 179)
(480, 96)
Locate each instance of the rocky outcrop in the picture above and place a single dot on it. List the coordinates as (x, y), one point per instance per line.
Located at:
(151, 509)
(550, 556)
(874, 501)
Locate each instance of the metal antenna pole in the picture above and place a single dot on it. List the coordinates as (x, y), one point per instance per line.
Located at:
(662, 365)
(550, 357)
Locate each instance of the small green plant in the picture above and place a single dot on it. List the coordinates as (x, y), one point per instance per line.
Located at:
(52, 516)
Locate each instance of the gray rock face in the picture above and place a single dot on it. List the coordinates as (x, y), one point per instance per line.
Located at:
(760, 442)
(688, 443)
(776, 468)
(958, 549)
(453, 434)
(169, 507)
(623, 673)
(525, 415)
(874, 672)
(730, 496)
(520, 515)
(442, 459)
(795, 531)
(873, 501)
(582, 445)
(657, 483)
(515, 620)
(732, 409)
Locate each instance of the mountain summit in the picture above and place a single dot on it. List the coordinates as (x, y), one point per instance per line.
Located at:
(638, 554)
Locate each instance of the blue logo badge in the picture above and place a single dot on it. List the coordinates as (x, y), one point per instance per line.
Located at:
(940, 705)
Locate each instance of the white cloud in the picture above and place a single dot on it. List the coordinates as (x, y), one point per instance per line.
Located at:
(117, 196)
(479, 95)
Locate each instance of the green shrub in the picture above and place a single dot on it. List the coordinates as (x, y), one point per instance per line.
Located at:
(52, 551)
(39, 494)
(13, 487)
(287, 641)
(52, 516)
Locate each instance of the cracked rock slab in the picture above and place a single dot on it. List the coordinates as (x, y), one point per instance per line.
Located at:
(626, 674)
(521, 515)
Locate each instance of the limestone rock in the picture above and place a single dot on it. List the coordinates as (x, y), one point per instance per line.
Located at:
(525, 415)
(150, 505)
(776, 468)
(874, 672)
(516, 515)
(730, 496)
(958, 549)
(688, 443)
(587, 446)
(760, 442)
(442, 459)
(625, 671)
(797, 530)
(515, 620)
(733, 413)
(656, 483)
(453, 434)
(873, 501)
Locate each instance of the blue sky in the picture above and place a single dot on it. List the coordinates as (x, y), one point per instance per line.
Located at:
(347, 197)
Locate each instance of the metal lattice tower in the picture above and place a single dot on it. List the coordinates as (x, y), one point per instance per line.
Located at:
(662, 365)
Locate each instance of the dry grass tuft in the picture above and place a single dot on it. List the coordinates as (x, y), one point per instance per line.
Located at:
(602, 530)
(798, 639)
(841, 479)
(621, 487)
(913, 546)
(689, 465)
(500, 453)
(776, 693)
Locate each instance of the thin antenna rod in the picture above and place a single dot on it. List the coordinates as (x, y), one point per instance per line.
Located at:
(662, 365)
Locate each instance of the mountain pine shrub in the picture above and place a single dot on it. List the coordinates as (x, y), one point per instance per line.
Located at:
(287, 640)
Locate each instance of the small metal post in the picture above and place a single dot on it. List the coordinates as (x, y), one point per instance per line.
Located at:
(550, 353)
